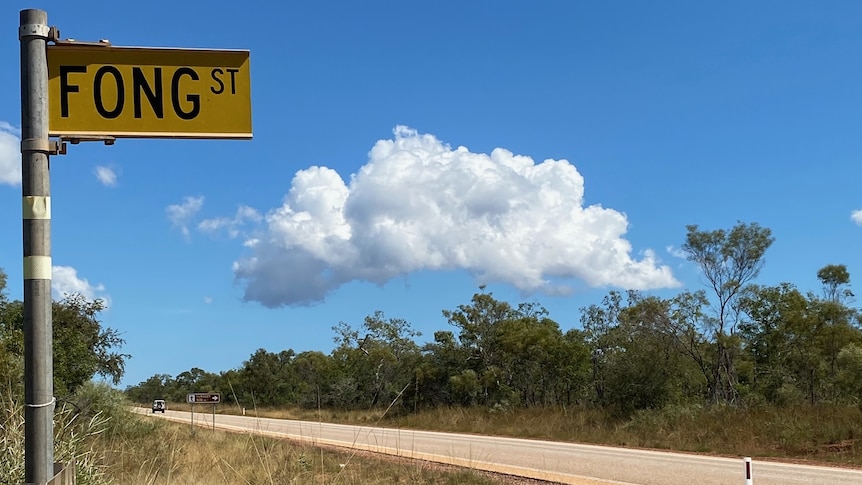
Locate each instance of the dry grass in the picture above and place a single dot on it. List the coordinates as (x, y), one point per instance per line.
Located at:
(110, 444)
(118, 447)
(75, 434)
(172, 453)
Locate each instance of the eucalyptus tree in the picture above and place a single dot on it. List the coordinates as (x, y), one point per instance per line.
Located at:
(777, 342)
(267, 378)
(315, 371)
(838, 321)
(378, 367)
(728, 260)
(480, 324)
(439, 379)
(530, 347)
(638, 357)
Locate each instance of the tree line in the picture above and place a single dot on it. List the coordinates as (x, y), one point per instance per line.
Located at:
(733, 342)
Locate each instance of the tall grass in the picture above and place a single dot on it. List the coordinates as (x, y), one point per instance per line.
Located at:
(11, 441)
(112, 445)
(75, 434)
(172, 453)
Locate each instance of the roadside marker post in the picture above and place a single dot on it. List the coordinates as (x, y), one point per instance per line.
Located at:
(748, 479)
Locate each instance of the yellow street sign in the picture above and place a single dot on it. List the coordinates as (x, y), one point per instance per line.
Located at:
(148, 92)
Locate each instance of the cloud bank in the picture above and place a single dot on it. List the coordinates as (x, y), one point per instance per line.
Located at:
(418, 204)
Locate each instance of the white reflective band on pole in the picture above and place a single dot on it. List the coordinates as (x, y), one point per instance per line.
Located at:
(36, 207)
(37, 268)
(748, 479)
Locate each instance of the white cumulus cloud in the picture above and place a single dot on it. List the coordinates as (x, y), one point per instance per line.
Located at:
(181, 215)
(856, 216)
(10, 154)
(418, 204)
(65, 281)
(106, 176)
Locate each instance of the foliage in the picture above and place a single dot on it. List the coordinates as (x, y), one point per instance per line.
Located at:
(728, 261)
(735, 343)
(82, 347)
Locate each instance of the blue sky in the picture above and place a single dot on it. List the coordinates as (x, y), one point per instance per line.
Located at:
(406, 152)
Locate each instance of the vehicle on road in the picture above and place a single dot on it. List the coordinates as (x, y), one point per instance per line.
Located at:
(159, 405)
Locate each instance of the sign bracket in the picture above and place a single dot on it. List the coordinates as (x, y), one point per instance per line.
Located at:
(58, 146)
(108, 140)
(54, 36)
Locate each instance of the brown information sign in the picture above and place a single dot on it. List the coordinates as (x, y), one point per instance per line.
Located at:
(204, 397)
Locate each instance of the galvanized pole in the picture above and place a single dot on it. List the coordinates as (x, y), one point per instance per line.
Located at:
(36, 211)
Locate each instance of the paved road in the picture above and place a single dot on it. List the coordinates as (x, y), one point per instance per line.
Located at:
(545, 460)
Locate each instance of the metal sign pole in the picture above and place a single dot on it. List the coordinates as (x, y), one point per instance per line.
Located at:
(36, 214)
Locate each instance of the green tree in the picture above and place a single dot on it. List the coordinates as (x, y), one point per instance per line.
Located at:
(728, 261)
(849, 377)
(479, 327)
(836, 282)
(599, 323)
(637, 359)
(268, 379)
(11, 343)
(376, 368)
(194, 380)
(82, 348)
(573, 361)
(315, 371)
(793, 342)
(775, 335)
(686, 317)
(838, 321)
(442, 359)
(155, 387)
(529, 346)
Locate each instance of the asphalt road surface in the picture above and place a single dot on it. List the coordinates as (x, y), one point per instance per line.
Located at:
(543, 460)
